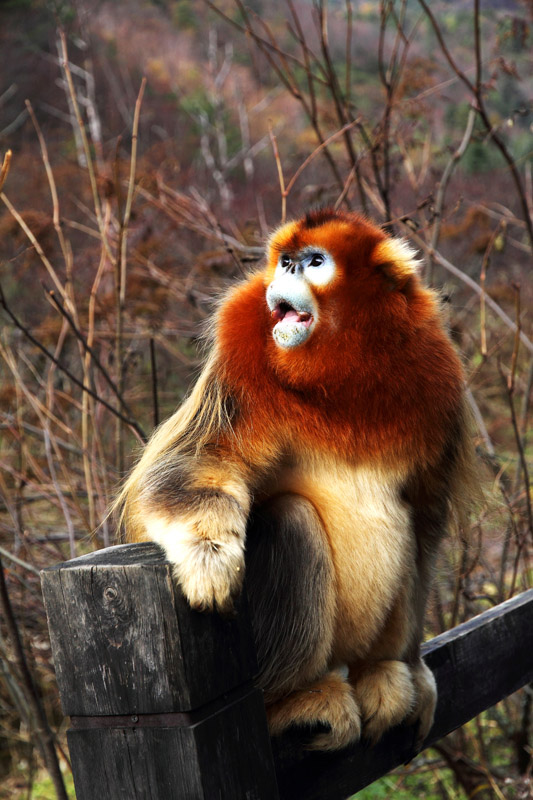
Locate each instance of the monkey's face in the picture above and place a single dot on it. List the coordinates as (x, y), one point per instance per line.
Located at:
(310, 279)
(336, 288)
(291, 295)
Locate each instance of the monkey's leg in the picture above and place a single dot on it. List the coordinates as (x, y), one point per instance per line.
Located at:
(291, 588)
(429, 522)
(394, 684)
(392, 691)
(329, 701)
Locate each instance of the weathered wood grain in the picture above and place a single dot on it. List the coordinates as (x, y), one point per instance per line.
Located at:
(162, 700)
(124, 641)
(222, 755)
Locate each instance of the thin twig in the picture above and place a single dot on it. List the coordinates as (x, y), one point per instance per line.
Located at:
(443, 184)
(528, 344)
(524, 413)
(88, 349)
(521, 454)
(131, 186)
(477, 91)
(49, 268)
(306, 53)
(317, 150)
(348, 72)
(64, 244)
(83, 134)
(132, 423)
(120, 273)
(5, 168)
(280, 173)
(59, 493)
(153, 370)
(287, 77)
(482, 280)
(44, 735)
(259, 40)
(336, 94)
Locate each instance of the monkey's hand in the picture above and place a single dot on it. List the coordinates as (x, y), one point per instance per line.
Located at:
(206, 548)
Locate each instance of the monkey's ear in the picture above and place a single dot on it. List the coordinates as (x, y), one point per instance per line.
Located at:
(397, 262)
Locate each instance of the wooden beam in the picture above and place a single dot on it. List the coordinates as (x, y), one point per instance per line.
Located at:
(162, 701)
(476, 665)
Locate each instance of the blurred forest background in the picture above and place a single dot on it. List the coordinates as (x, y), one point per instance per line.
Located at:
(153, 145)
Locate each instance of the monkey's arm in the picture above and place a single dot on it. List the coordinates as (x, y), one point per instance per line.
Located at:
(197, 509)
(191, 490)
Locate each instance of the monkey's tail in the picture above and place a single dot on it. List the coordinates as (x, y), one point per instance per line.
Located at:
(466, 490)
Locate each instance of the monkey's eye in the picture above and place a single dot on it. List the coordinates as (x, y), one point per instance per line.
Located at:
(313, 259)
(319, 267)
(316, 260)
(285, 261)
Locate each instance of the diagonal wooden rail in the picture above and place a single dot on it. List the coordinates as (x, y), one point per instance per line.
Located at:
(162, 700)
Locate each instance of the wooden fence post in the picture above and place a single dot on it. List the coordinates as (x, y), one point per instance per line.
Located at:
(161, 698)
(163, 706)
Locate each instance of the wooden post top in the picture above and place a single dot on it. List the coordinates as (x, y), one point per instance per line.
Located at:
(125, 641)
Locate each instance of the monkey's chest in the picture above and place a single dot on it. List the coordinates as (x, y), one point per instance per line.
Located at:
(368, 530)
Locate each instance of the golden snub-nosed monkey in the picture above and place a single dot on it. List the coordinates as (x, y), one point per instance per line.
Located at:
(321, 453)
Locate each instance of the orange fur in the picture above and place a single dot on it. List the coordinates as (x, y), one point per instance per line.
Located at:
(396, 350)
(364, 422)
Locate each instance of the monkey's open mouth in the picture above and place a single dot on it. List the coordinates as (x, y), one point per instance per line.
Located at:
(283, 311)
(293, 311)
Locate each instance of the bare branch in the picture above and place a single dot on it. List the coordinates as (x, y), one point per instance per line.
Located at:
(132, 423)
(439, 258)
(5, 168)
(45, 737)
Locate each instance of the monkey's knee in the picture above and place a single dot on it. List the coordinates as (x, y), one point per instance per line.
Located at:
(289, 580)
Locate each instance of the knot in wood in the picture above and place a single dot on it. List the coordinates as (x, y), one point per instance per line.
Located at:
(110, 593)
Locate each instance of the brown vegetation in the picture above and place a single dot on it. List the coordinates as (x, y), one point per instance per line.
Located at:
(128, 207)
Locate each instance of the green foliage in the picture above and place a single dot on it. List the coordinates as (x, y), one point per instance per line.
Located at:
(64, 11)
(197, 101)
(400, 786)
(480, 158)
(16, 5)
(514, 35)
(43, 788)
(510, 101)
(184, 15)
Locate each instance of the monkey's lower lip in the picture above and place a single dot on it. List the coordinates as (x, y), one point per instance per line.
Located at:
(285, 312)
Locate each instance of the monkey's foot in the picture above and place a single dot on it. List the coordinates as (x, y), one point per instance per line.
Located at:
(329, 701)
(386, 695)
(425, 701)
